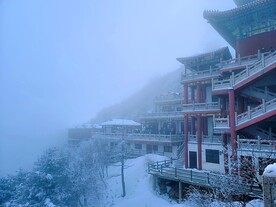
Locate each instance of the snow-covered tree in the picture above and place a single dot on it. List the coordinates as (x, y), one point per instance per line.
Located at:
(61, 177)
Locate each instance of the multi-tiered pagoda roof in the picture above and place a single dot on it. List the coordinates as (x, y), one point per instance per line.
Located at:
(250, 18)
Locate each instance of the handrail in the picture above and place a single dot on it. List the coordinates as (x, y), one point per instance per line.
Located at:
(201, 106)
(234, 79)
(169, 97)
(155, 137)
(255, 112)
(142, 136)
(205, 138)
(259, 144)
(220, 122)
(193, 176)
(163, 114)
(240, 60)
(201, 74)
(267, 133)
(265, 93)
(180, 151)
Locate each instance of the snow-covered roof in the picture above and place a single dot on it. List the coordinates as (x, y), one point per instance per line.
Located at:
(270, 170)
(120, 122)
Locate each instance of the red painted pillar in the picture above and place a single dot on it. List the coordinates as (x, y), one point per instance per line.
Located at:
(198, 93)
(186, 128)
(193, 118)
(186, 161)
(199, 141)
(199, 128)
(231, 94)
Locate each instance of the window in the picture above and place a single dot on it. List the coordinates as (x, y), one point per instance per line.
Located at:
(212, 156)
(138, 146)
(155, 147)
(167, 149)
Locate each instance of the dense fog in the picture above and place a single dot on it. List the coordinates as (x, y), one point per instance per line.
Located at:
(63, 61)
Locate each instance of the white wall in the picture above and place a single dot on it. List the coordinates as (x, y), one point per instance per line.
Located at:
(213, 166)
(206, 165)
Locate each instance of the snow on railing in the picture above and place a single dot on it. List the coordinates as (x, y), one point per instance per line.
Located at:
(258, 144)
(211, 139)
(200, 74)
(221, 123)
(205, 138)
(169, 97)
(192, 137)
(267, 59)
(239, 61)
(201, 106)
(156, 137)
(145, 137)
(180, 151)
(166, 169)
(140, 152)
(163, 114)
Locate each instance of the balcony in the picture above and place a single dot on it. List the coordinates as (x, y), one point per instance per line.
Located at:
(170, 97)
(163, 115)
(155, 137)
(221, 124)
(205, 138)
(201, 107)
(199, 75)
(142, 137)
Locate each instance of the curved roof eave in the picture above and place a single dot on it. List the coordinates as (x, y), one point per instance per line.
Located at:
(212, 14)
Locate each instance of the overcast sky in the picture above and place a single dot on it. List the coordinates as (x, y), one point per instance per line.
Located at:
(61, 61)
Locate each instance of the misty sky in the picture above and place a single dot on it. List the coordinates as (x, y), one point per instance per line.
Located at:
(61, 61)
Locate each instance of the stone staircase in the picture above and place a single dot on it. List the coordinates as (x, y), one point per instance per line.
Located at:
(262, 133)
(259, 93)
(237, 80)
(179, 162)
(262, 110)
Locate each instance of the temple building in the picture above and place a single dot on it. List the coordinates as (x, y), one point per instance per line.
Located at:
(224, 120)
(249, 28)
(248, 91)
(229, 103)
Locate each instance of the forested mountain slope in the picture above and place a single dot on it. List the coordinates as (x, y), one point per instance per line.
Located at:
(143, 100)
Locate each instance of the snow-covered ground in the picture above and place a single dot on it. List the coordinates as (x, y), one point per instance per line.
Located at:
(139, 188)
